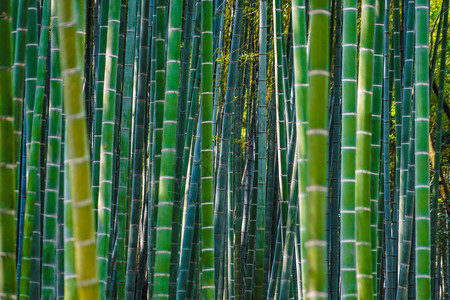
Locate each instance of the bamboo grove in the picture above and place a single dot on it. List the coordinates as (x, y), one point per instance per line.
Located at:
(227, 149)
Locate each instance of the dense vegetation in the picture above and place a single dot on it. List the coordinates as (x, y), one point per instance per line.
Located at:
(170, 149)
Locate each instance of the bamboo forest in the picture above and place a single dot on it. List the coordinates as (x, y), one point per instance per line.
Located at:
(224, 149)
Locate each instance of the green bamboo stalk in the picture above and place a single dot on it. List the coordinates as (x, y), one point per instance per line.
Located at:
(168, 152)
(193, 111)
(251, 257)
(192, 290)
(13, 13)
(289, 111)
(78, 154)
(225, 272)
(249, 166)
(125, 147)
(376, 138)
(18, 78)
(60, 218)
(422, 188)
(407, 236)
(289, 240)
(412, 270)
(89, 26)
(138, 152)
(207, 195)
(98, 98)
(269, 211)
(261, 193)
(230, 222)
(381, 244)
(271, 290)
(317, 135)
(406, 115)
(363, 153)
(191, 210)
(348, 149)
(150, 124)
(194, 80)
(247, 237)
(49, 260)
(298, 260)
(218, 47)
(334, 160)
(142, 254)
(152, 208)
(281, 124)
(148, 140)
(237, 179)
(406, 97)
(117, 118)
(7, 160)
(20, 204)
(249, 200)
(107, 145)
(218, 18)
(301, 93)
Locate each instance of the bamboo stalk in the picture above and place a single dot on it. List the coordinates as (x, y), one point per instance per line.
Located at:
(7, 160)
(317, 135)
(207, 195)
(422, 188)
(78, 154)
(363, 155)
(53, 168)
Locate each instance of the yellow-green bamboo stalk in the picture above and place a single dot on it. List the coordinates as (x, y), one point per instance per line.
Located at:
(317, 137)
(78, 152)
